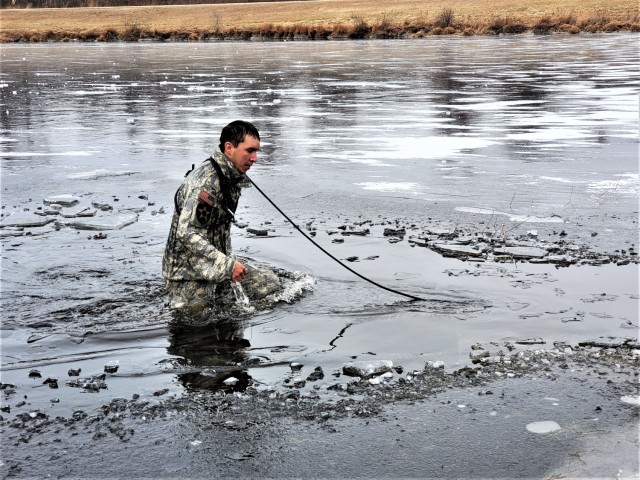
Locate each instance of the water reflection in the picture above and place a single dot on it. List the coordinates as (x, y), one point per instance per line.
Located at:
(215, 352)
(406, 130)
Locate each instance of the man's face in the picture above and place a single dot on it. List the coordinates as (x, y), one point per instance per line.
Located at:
(245, 154)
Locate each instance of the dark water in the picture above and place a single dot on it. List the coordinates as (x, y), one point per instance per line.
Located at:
(499, 135)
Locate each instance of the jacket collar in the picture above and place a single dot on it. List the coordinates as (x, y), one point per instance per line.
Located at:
(228, 168)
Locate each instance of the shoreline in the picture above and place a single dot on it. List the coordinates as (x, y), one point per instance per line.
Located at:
(509, 393)
(318, 20)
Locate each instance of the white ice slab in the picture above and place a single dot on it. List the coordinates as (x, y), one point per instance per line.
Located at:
(25, 219)
(113, 222)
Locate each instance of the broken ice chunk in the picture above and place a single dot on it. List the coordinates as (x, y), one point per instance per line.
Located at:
(64, 200)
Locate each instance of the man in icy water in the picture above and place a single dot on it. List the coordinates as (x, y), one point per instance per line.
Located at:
(198, 264)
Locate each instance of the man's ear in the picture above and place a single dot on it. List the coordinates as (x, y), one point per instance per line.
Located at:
(227, 145)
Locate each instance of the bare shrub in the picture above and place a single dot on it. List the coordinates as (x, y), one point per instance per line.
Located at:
(300, 30)
(468, 32)
(567, 28)
(266, 30)
(88, 36)
(436, 31)
(216, 22)
(360, 27)
(384, 22)
(445, 18)
(514, 27)
(568, 19)
(386, 29)
(421, 22)
(496, 24)
(633, 17)
(204, 34)
(289, 32)
(594, 23)
(163, 35)
(312, 33)
(321, 32)
(8, 37)
(108, 35)
(244, 34)
(613, 27)
(340, 31)
(449, 31)
(600, 19)
(543, 26)
(131, 32)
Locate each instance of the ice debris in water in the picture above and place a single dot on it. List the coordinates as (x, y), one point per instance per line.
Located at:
(543, 427)
(92, 384)
(631, 399)
(435, 364)
(112, 366)
(381, 378)
(367, 369)
(24, 220)
(64, 200)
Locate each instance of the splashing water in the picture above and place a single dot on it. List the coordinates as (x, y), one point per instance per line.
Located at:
(294, 285)
(238, 291)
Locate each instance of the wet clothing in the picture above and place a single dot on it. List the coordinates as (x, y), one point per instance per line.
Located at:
(198, 259)
(199, 244)
(196, 294)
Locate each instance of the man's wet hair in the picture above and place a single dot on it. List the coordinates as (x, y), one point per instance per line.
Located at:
(235, 133)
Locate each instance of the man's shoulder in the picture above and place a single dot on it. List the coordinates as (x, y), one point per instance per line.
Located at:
(203, 174)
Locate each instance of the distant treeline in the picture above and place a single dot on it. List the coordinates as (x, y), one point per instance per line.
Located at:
(110, 3)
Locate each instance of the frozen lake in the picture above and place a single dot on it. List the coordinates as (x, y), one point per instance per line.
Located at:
(515, 138)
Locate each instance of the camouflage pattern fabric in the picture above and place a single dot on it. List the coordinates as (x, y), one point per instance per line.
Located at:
(197, 294)
(198, 259)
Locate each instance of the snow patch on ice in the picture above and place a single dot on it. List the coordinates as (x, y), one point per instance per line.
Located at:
(390, 186)
(628, 183)
(512, 218)
(543, 427)
(99, 173)
(80, 153)
(631, 400)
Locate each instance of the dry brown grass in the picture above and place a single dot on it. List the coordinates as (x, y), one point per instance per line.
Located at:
(319, 19)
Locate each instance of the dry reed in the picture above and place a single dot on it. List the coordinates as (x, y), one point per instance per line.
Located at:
(356, 25)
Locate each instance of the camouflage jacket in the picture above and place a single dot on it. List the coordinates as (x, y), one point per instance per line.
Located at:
(199, 243)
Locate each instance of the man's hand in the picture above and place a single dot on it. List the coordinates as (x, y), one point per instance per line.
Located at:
(239, 272)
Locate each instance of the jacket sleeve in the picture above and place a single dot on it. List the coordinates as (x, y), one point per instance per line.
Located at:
(205, 260)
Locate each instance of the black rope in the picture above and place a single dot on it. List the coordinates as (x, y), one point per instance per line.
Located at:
(412, 297)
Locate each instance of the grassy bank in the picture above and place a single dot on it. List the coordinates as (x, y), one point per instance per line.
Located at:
(320, 19)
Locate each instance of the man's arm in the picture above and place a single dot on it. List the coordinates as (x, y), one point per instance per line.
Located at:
(206, 260)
